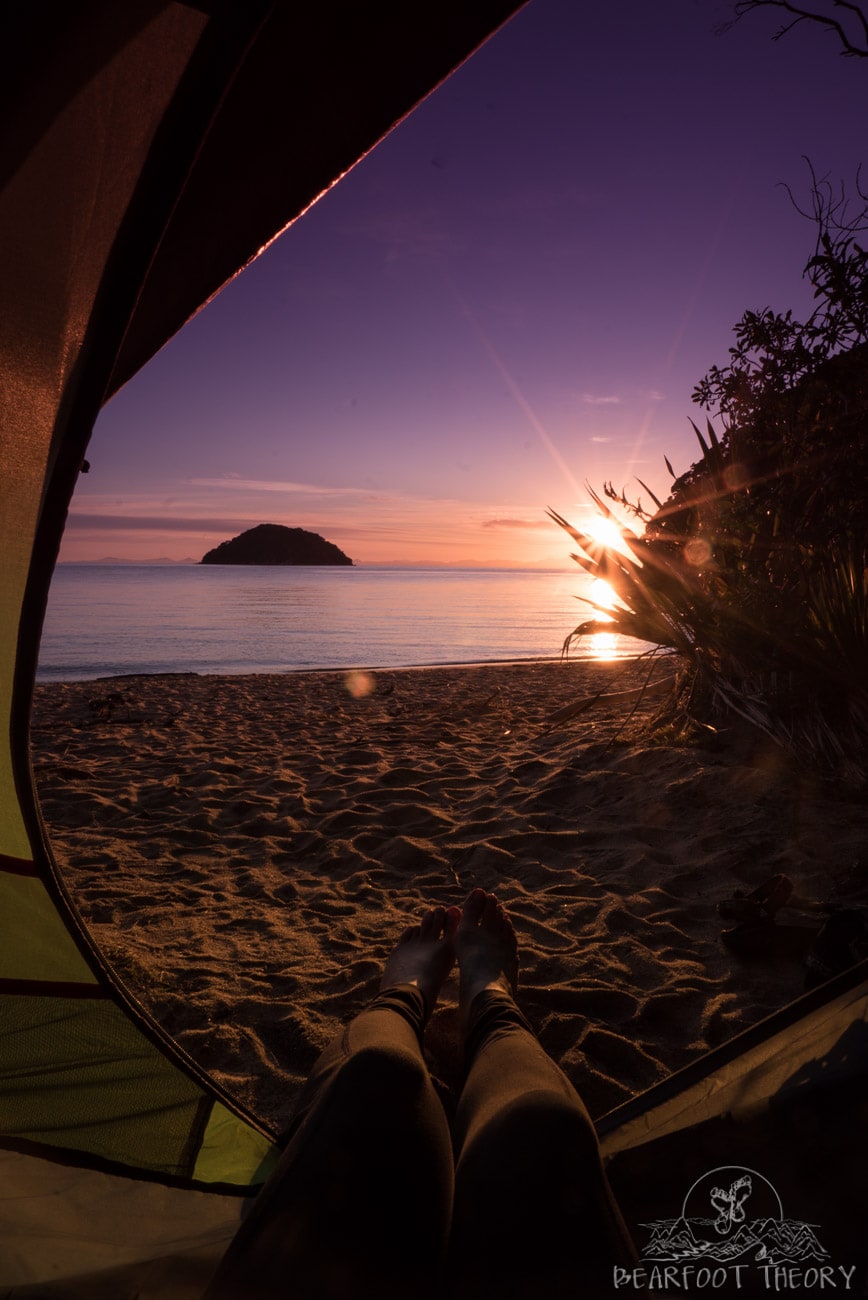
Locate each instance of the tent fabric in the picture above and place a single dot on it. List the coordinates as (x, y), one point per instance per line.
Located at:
(148, 151)
(81, 1073)
(787, 1098)
(80, 1232)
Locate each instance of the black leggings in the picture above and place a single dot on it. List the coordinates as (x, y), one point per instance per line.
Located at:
(374, 1198)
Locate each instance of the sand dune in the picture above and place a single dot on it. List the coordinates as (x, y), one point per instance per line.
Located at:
(246, 849)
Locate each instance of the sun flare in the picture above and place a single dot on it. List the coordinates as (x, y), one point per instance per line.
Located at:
(602, 529)
(606, 532)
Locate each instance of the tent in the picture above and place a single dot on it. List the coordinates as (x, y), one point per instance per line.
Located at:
(148, 151)
(786, 1100)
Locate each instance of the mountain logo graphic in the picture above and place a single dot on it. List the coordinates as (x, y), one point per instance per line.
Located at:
(733, 1215)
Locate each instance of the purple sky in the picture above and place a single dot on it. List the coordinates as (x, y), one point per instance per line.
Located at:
(514, 293)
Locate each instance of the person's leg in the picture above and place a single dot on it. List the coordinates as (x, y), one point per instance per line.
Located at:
(533, 1213)
(360, 1203)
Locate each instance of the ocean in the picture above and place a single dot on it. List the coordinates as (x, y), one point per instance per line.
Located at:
(112, 619)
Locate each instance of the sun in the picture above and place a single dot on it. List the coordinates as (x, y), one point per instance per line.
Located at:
(603, 530)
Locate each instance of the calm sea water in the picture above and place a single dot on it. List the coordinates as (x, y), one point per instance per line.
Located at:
(104, 620)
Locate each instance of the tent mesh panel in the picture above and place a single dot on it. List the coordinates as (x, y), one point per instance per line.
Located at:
(78, 1074)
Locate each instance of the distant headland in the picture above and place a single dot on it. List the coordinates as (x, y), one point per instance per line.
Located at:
(276, 544)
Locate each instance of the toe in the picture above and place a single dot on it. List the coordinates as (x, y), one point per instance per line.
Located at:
(492, 915)
(474, 907)
(453, 919)
(433, 923)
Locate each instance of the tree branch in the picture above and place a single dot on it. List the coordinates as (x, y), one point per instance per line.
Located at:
(849, 46)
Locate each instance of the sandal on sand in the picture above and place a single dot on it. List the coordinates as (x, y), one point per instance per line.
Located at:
(757, 932)
(760, 906)
(834, 943)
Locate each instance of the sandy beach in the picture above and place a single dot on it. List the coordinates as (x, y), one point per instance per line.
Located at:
(246, 849)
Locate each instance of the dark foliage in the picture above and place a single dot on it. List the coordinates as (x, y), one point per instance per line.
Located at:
(842, 18)
(755, 569)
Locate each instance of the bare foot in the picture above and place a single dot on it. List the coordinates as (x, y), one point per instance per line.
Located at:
(487, 949)
(424, 955)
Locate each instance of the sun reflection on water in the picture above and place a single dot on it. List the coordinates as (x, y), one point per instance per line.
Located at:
(604, 645)
(603, 594)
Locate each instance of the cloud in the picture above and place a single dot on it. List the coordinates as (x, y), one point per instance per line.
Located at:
(593, 399)
(514, 523)
(598, 439)
(390, 527)
(231, 483)
(157, 523)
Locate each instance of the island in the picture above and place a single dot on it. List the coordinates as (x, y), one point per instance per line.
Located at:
(276, 544)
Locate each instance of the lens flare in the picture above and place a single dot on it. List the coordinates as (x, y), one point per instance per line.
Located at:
(360, 684)
(697, 552)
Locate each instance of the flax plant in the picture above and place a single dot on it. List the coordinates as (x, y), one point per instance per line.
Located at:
(754, 572)
(789, 658)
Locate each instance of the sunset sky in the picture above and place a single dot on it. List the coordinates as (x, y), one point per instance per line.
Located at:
(514, 293)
